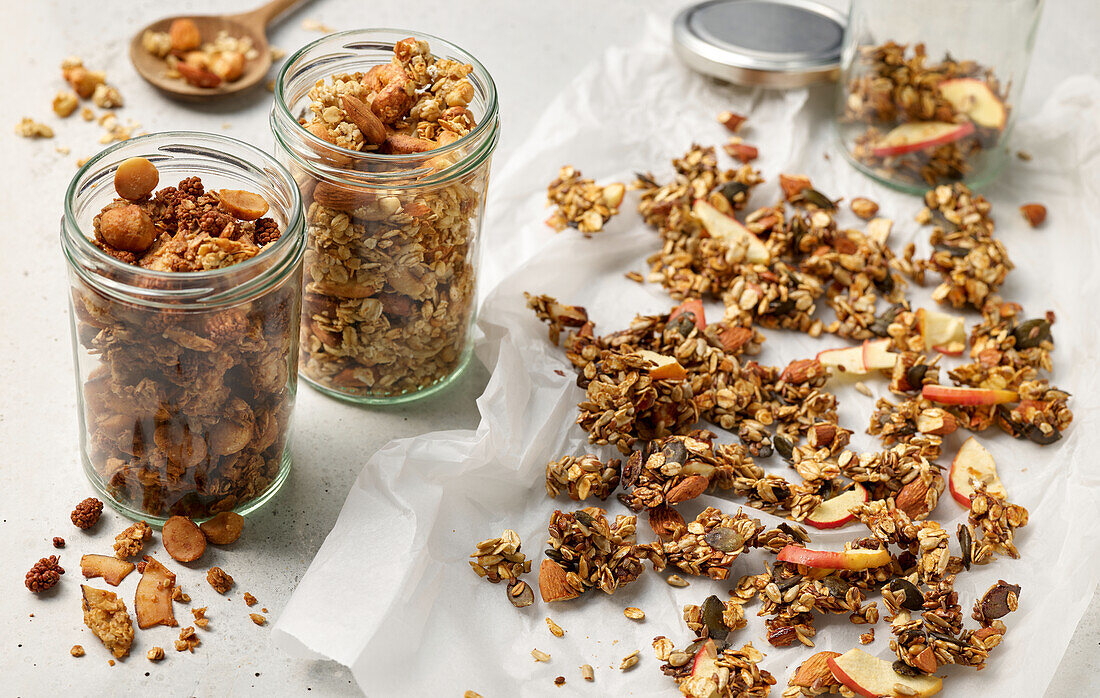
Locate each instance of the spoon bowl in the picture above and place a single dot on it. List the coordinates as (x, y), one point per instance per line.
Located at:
(251, 24)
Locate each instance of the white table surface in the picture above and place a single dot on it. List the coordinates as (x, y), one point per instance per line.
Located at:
(532, 49)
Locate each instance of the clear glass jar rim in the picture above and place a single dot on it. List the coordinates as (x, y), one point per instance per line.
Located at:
(486, 130)
(77, 241)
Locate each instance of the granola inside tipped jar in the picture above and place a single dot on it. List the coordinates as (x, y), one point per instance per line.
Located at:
(390, 143)
(185, 257)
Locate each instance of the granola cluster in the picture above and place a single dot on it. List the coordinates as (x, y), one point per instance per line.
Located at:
(500, 558)
(729, 672)
(186, 411)
(710, 543)
(580, 203)
(106, 615)
(130, 542)
(893, 89)
(87, 513)
(581, 476)
(390, 277)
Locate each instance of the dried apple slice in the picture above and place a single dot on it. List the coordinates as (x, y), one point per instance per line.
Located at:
(962, 395)
(973, 461)
(844, 360)
(835, 512)
(110, 568)
(726, 228)
(692, 307)
(975, 99)
(858, 559)
(919, 135)
(877, 355)
(664, 368)
(872, 677)
(153, 599)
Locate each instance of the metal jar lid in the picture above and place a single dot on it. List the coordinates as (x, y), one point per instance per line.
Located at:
(772, 43)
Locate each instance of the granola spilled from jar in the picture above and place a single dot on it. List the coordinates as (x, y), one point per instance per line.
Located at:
(580, 203)
(187, 411)
(390, 278)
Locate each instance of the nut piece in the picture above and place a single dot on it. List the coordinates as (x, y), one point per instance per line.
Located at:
(554, 583)
(242, 204)
(372, 128)
(77, 651)
(198, 76)
(864, 208)
(249, 599)
(136, 178)
(224, 528)
(218, 579)
(87, 513)
(64, 104)
(182, 539)
(184, 34)
(731, 121)
(155, 655)
(127, 228)
(815, 672)
(257, 618)
(228, 65)
(1035, 214)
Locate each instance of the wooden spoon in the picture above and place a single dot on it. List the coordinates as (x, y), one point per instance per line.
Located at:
(251, 24)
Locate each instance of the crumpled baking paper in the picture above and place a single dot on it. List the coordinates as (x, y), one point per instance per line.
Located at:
(390, 593)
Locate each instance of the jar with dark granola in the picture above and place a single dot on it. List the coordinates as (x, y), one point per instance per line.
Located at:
(390, 136)
(928, 90)
(184, 308)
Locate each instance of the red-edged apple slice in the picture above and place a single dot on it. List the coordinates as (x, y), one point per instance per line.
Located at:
(975, 99)
(919, 135)
(973, 461)
(858, 559)
(942, 332)
(719, 225)
(872, 677)
(703, 682)
(962, 395)
(664, 368)
(877, 355)
(693, 306)
(844, 360)
(835, 512)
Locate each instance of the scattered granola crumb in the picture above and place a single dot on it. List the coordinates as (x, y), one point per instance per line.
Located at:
(472, 694)
(179, 596)
(741, 151)
(1034, 214)
(555, 629)
(110, 662)
(87, 114)
(63, 149)
(82, 161)
(64, 104)
(87, 513)
(677, 581)
(250, 599)
(269, 85)
(312, 25)
(130, 542)
(106, 615)
(106, 97)
(200, 617)
(155, 654)
(218, 579)
(559, 681)
(44, 574)
(629, 661)
(635, 277)
(257, 618)
(867, 637)
(862, 389)
(188, 640)
(864, 208)
(581, 203)
(264, 610)
(58, 542)
(540, 656)
(587, 672)
(634, 613)
(77, 651)
(277, 53)
(1023, 155)
(29, 128)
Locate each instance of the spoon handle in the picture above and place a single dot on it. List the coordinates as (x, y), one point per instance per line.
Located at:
(262, 16)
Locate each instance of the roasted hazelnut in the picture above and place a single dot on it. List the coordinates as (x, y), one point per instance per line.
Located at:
(127, 228)
(184, 34)
(136, 178)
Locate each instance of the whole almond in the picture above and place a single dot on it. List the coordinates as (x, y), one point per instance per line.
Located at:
(372, 128)
(936, 421)
(1034, 213)
(793, 184)
(913, 498)
(667, 523)
(801, 370)
(340, 197)
(402, 144)
(199, 77)
(184, 34)
(553, 583)
(689, 488)
(926, 661)
(815, 672)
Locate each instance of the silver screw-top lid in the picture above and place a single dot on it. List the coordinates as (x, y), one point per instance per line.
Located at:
(773, 43)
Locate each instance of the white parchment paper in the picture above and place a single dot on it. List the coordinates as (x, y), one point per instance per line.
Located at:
(390, 593)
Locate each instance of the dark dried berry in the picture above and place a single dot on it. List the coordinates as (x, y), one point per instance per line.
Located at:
(87, 513)
(192, 186)
(267, 231)
(58, 542)
(44, 574)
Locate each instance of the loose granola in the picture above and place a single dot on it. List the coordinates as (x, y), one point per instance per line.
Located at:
(187, 412)
(219, 580)
(582, 476)
(130, 542)
(29, 128)
(188, 640)
(500, 558)
(581, 203)
(106, 615)
(390, 277)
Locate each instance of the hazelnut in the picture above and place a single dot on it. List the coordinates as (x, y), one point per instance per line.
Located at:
(243, 204)
(228, 65)
(127, 228)
(184, 34)
(136, 178)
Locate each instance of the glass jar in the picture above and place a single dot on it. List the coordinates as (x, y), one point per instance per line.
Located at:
(185, 380)
(928, 90)
(392, 239)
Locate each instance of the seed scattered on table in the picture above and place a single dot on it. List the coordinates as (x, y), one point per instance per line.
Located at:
(629, 661)
(540, 656)
(587, 672)
(77, 651)
(257, 618)
(555, 629)
(677, 581)
(634, 613)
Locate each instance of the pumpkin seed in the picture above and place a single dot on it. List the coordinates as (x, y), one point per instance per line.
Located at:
(965, 542)
(1037, 435)
(995, 602)
(903, 669)
(734, 192)
(725, 539)
(583, 517)
(914, 376)
(521, 595)
(712, 610)
(813, 196)
(911, 598)
(783, 446)
(1031, 333)
(838, 588)
(787, 582)
(674, 452)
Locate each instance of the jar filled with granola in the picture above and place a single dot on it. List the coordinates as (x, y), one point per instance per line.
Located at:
(184, 253)
(389, 135)
(928, 90)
